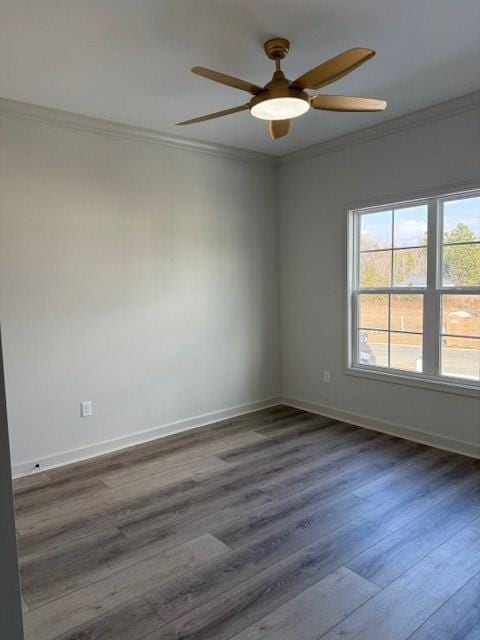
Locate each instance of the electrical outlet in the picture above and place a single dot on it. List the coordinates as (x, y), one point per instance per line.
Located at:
(326, 375)
(86, 408)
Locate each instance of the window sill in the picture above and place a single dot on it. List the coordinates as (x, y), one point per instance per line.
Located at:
(448, 385)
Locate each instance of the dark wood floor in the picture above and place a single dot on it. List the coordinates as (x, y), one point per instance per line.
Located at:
(278, 525)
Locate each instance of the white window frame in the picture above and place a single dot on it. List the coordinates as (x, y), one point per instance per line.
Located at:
(432, 321)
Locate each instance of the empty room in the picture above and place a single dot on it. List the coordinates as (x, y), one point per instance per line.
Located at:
(240, 320)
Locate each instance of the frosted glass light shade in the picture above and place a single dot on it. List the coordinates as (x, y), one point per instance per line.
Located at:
(280, 108)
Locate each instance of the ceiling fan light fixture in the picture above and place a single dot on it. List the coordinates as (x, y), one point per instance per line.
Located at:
(281, 100)
(280, 108)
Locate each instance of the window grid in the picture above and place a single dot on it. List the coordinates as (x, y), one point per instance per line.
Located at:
(389, 331)
(433, 335)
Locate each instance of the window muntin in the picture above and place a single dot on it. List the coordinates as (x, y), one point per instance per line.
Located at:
(393, 247)
(390, 328)
(416, 288)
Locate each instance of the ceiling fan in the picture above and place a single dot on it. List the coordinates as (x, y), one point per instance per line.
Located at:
(280, 99)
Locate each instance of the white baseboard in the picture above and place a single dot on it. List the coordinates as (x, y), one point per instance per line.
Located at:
(408, 433)
(108, 446)
(101, 448)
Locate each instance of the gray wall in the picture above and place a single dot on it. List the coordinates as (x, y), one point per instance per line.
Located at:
(10, 604)
(313, 195)
(145, 278)
(139, 276)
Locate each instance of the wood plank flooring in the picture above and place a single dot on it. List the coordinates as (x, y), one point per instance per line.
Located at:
(276, 525)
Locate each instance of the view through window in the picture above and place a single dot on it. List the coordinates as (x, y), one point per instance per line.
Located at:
(415, 297)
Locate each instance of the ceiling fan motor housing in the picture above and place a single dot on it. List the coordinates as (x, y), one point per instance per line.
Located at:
(279, 99)
(279, 92)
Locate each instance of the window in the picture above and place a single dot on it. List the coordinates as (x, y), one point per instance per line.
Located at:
(414, 294)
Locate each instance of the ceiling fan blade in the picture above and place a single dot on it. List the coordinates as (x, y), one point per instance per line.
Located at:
(217, 114)
(278, 128)
(236, 83)
(347, 103)
(334, 69)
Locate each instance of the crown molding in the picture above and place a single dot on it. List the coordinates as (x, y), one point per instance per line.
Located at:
(433, 113)
(59, 118)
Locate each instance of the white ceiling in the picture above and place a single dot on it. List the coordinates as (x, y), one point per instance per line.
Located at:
(129, 60)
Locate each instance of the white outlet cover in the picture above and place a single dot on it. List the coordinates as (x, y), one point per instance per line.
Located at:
(86, 408)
